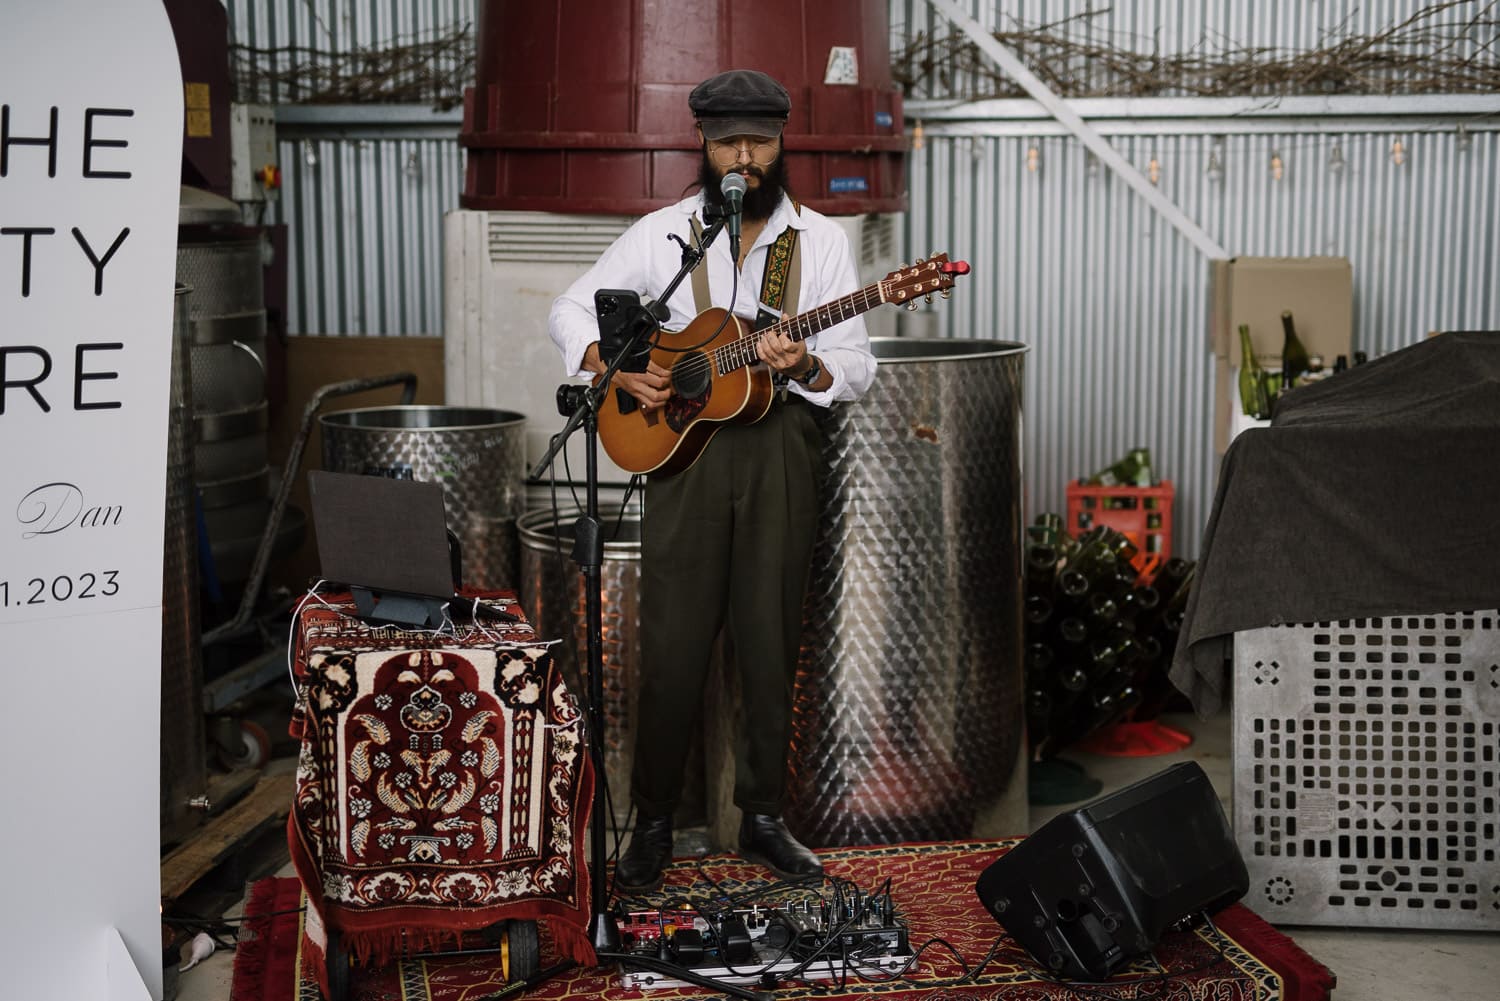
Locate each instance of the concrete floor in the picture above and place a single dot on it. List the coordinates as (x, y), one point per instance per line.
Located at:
(1370, 965)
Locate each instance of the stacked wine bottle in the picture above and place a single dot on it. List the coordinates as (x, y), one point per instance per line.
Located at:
(1099, 640)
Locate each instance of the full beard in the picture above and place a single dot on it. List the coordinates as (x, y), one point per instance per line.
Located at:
(761, 200)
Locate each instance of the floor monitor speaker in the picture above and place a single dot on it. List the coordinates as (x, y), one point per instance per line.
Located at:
(1097, 886)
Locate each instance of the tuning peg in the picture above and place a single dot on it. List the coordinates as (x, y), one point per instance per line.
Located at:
(928, 297)
(912, 305)
(921, 260)
(946, 292)
(901, 267)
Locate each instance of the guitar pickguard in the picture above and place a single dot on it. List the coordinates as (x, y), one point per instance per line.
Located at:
(691, 389)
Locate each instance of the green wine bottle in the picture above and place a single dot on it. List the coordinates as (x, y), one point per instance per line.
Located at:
(1252, 380)
(1132, 470)
(1041, 568)
(1294, 360)
(1139, 601)
(1102, 612)
(1072, 588)
(1038, 610)
(1071, 632)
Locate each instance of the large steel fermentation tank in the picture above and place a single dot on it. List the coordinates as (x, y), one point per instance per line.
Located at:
(223, 262)
(477, 454)
(184, 766)
(554, 596)
(909, 722)
(581, 107)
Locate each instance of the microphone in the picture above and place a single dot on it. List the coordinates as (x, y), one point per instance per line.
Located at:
(733, 189)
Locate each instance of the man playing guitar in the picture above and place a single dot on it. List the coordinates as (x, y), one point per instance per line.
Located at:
(728, 539)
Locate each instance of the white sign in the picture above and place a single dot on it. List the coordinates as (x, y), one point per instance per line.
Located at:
(90, 160)
(843, 66)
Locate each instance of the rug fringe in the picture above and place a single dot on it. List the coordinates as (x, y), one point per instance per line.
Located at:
(252, 952)
(379, 948)
(572, 942)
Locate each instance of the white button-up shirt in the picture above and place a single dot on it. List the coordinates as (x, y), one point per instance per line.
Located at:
(645, 259)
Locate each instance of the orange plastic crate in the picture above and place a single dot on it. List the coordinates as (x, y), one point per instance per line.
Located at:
(1142, 514)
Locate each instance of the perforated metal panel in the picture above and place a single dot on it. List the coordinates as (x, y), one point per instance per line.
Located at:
(1367, 771)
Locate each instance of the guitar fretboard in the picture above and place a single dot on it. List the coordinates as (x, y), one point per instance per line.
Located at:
(742, 351)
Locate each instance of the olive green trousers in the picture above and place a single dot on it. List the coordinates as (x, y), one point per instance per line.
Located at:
(727, 543)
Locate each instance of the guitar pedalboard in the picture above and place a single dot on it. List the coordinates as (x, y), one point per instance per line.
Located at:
(854, 935)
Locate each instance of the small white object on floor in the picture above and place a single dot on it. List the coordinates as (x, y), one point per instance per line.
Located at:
(200, 948)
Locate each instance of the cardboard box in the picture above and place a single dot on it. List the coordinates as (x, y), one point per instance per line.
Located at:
(1319, 292)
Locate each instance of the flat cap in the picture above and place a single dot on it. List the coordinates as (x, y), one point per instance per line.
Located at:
(740, 103)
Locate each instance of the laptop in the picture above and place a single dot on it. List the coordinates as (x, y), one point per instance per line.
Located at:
(385, 537)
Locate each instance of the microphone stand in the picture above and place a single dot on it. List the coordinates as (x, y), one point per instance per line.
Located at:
(580, 404)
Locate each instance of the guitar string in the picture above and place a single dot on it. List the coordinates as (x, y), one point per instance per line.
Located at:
(741, 351)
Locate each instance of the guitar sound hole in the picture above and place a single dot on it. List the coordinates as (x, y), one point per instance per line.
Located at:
(692, 375)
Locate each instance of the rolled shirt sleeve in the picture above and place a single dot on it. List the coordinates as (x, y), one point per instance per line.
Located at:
(844, 348)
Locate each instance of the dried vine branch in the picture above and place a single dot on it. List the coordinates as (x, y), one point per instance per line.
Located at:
(1430, 52)
(433, 70)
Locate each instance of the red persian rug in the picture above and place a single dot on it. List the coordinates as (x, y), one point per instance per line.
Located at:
(933, 886)
(442, 787)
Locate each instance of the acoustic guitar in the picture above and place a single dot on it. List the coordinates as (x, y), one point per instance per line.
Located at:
(719, 378)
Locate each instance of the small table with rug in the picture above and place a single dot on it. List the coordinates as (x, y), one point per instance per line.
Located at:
(443, 786)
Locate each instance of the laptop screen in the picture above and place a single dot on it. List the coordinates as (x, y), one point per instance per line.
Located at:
(382, 534)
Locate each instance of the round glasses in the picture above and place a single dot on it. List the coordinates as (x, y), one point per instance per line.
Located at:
(727, 153)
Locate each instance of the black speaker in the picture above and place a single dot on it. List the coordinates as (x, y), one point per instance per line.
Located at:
(1098, 885)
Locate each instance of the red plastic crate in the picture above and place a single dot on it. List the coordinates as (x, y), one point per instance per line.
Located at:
(1142, 514)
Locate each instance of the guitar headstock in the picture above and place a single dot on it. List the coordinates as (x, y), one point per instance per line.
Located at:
(934, 274)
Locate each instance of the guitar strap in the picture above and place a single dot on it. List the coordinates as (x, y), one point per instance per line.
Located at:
(783, 278)
(780, 286)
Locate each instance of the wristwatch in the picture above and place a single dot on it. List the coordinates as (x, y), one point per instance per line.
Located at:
(813, 371)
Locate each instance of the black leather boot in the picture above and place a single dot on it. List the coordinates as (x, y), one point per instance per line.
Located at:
(765, 840)
(650, 849)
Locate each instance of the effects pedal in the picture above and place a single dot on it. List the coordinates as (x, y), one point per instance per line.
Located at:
(851, 935)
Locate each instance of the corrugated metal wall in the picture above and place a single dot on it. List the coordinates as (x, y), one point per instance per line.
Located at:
(365, 222)
(1114, 302)
(1068, 260)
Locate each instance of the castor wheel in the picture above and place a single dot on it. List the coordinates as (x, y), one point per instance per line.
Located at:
(242, 745)
(520, 948)
(337, 960)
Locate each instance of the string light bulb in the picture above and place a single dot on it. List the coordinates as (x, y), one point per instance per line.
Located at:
(1091, 164)
(1277, 167)
(1033, 159)
(1336, 159)
(1398, 153)
(1153, 169)
(1215, 168)
(309, 153)
(413, 166)
(1463, 140)
(918, 136)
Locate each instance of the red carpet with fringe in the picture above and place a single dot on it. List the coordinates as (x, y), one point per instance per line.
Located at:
(933, 886)
(443, 785)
